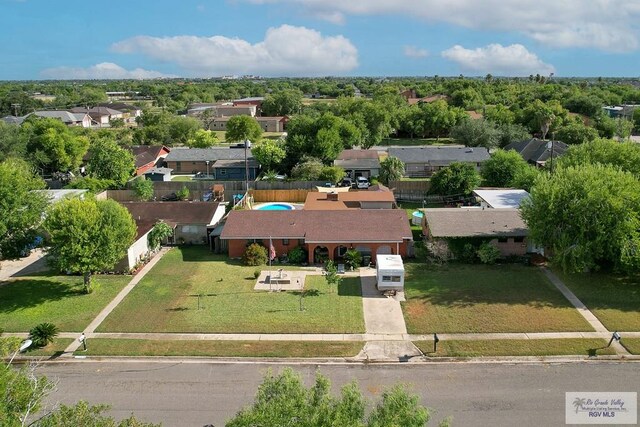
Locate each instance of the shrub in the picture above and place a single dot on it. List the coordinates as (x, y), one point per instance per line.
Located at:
(255, 254)
(256, 274)
(142, 188)
(43, 334)
(353, 259)
(183, 193)
(297, 255)
(487, 253)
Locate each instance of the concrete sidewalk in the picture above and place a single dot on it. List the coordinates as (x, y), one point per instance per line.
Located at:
(117, 300)
(582, 309)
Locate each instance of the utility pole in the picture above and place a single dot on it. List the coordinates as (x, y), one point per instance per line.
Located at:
(15, 109)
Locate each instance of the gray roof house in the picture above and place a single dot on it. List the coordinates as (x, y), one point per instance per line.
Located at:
(222, 163)
(68, 118)
(359, 163)
(424, 161)
(537, 151)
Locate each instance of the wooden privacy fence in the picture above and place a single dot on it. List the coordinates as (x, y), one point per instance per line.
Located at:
(410, 190)
(290, 196)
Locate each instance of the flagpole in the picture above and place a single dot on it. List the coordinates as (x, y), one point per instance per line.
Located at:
(270, 277)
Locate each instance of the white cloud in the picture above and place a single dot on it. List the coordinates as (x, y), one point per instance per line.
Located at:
(104, 70)
(415, 52)
(285, 51)
(603, 24)
(497, 59)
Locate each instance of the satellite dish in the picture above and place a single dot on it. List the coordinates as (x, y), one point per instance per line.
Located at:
(25, 345)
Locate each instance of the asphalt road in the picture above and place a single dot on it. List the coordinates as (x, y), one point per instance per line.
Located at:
(196, 394)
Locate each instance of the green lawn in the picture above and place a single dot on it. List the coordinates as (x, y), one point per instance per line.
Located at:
(182, 178)
(631, 344)
(614, 300)
(56, 347)
(545, 347)
(128, 347)
(166, 301)
(60, 300)
(459, 298)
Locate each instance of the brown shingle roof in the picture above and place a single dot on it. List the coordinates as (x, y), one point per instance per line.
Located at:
(358, 154)
(380, 225)
(146, 214)
(474, 222)
(145, 154)
(346, 200)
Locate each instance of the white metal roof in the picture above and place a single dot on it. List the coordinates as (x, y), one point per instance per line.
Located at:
(389, 262)
(502, 199)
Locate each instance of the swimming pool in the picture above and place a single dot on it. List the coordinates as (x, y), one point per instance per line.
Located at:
(274, 207)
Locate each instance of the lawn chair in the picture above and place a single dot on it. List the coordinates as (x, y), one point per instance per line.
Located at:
(340, 268)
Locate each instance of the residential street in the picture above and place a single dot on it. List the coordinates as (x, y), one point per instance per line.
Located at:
(197, 393)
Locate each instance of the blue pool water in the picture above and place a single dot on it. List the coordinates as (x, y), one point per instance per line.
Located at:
(275, 207)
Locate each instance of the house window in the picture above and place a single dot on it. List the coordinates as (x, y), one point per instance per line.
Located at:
(503, 239)
(193, 163)
(285, 242)
(518, 239)
(300, 242)
(178, 166)
(222, 171)
(386, 278)
(395, 279)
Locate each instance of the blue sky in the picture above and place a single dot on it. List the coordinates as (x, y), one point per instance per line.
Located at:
(190, 38)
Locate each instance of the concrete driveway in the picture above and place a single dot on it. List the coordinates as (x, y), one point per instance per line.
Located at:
(34, 263)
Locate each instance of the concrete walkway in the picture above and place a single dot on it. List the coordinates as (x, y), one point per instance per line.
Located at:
(582, 309)
(32, 263)
(89, 330)
(382, 315)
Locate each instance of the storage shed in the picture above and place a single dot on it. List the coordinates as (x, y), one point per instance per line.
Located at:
(389, 272)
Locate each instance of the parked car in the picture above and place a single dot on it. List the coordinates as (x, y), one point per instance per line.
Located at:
(362, 183)
(346, 182)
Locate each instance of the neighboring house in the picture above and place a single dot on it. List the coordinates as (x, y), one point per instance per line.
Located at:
(536, 151)
(504, 228)
(101, 116)
(268, 124)
(192, 222)
(323, 234)
(158, 174)
(254, 100)
(427, 99)
(359, 163)
(66, 117)
(13, 120)
(236, 110)
(129, 112)
(420, 162)
(194, 160)
(234, 169)
(55, 196)
(148, 156)
(500, 198)
(350, 200)
(43, 97)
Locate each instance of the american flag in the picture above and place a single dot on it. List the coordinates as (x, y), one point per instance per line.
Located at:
(272, 250)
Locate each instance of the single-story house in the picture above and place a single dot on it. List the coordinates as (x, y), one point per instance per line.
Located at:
(101, 116)
(420, 162)
(158, 174)
(234, 169)
(504, 228)
(193, 160)
(359, 163)
(323, 234)
(129, 111)
(68, 118)
(500, 198)
(191, 221)
(319, 201)
(148, 156)
(537, 151)
(268, 124)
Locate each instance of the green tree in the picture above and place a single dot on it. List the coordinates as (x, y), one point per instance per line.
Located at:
(20, 208)
(22, 394)
(576, 133)
(510, 132)
(283, 400)
(623, 155)
(333, 174)
(476, 133)
(142, 188)
(525, 178)
(308, 169)
(181, 130)
(588, 216)
(282, 103)
(457, 178)
(391, 169)
(88, 235)
(12, 141)
(52, 146)
(83, 414)
(331, 274)
(269, 154)
(108, 161)
(624, 127)
(501, 169)
(242, 128)
(160, 231)
(202, 139)
(95, 185)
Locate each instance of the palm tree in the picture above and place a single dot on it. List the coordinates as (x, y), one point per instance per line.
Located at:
(578, 402)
